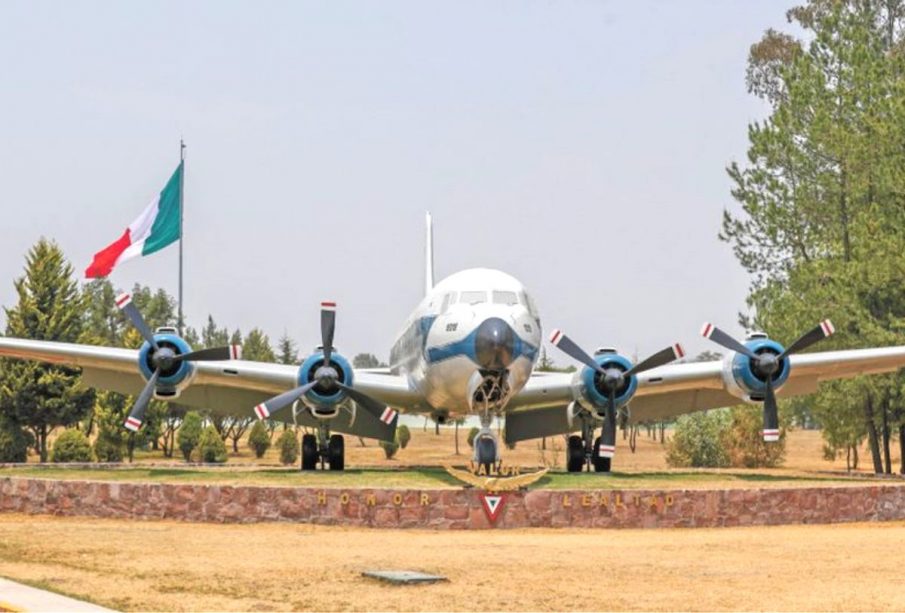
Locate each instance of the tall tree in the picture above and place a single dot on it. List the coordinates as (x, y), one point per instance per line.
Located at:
(287, 350)
(822, 222)
(36, 395)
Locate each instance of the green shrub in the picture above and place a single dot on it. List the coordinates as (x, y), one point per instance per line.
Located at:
(211, 447)
(471, 435)
(288, 444)
(111, 442)
(14, 442)
(389, 448)
(403, 435)
(259, 439)
(71, 446)
(189, 434)
(745, 441)
(699, 440)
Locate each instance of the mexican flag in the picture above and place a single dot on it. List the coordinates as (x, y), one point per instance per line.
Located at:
(159, 225)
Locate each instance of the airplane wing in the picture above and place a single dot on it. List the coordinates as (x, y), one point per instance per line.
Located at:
(669, 391)
(230, 387)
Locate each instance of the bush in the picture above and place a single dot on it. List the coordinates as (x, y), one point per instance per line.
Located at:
(108, 446)
(14, 443)
(403, 435)
(211, 447)
(71, 446)
(471, 435)
(288, 444)
(699, 440)
(111, 442)
(259, 439)
(189, 434)
(390, 448)
(745, 440)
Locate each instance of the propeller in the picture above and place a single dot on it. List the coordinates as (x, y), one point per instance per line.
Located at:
(327, 377)
(612, 380)
(163, 358)
(767, 364)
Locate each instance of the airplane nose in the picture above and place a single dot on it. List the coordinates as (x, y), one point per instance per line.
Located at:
(494, 344)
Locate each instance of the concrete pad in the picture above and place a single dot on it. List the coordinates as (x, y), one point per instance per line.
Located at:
(17, 597)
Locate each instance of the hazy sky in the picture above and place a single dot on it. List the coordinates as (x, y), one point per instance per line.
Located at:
(580, 146)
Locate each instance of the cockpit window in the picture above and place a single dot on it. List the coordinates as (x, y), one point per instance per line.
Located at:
(528, 302)
(473, 297)
(507, 298)
(446, 301)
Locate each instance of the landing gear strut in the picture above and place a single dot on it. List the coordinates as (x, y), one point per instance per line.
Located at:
(329, 450)
(584, 450)
(486, 447)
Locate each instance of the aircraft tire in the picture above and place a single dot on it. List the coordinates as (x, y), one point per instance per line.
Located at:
(486, 450)
(309, 452)
(575, 454)
(336, 452)
(601, 465)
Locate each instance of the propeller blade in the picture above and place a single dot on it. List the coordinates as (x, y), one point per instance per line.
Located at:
(214, 354)
(328, 326)
(568, 346)
(374, 407)
(269, 407)
(771, 415)
(136, 416)
(821, 331)
(608, 436)
(124, 303)
(658, 359)
(708, 330)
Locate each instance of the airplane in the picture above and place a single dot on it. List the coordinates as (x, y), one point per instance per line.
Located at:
(470, 347)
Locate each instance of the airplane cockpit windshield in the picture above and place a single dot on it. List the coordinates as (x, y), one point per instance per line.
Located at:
(473, 297)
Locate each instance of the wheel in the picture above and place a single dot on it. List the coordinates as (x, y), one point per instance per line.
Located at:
(575, 454)
(601, 465)
(309, 452)
(486, 451)
(336, 451)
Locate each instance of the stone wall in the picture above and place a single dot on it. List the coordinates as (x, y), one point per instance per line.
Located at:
(456, 509)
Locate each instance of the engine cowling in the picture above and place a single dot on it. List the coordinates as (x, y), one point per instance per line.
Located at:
(593, 394)
(325, 398)
(741, 374)
(173, 378)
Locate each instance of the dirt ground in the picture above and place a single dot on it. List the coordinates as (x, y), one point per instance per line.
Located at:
(178, 566)
(804, 452)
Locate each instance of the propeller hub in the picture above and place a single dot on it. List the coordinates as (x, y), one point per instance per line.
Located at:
(326, 375)
(613, 378)
(767, 364)
(163, 358)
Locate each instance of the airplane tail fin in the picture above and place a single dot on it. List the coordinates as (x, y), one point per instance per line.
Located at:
(429, 257)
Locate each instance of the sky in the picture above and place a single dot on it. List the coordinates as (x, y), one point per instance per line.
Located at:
(579, 146)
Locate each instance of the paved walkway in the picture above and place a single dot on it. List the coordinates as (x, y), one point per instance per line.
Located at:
(17, 597)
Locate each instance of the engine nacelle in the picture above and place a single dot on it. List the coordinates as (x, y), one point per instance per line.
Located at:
(325, 400)
(591, 393)
(742, 379)
(174, 379)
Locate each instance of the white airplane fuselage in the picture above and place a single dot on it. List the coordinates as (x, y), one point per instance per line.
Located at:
(471, 343)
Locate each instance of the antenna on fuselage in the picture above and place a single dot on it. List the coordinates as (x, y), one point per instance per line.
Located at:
(429, 256)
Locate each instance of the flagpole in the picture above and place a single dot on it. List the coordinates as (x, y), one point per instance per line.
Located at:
(181, 225)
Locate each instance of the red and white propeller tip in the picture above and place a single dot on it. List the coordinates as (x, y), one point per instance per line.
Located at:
(388, 416)
(133, 424)
(123, 299)
(678, 351)
(607, 451)
(771, 436)
(328, 305)
(707, 329)
(827, 326)
(555, 336)
(235, 352)
(262, 412)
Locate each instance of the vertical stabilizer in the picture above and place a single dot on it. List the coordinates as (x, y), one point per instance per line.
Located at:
(429, 256)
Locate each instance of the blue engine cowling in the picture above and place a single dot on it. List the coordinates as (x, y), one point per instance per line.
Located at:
(744, 375)
(171, 380)
(324, 399)
(593, 391)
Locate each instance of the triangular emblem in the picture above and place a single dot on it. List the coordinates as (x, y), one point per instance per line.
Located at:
(493, 504)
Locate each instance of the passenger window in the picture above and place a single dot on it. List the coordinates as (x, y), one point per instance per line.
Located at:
(507, 298)
(446, 301)
(473, 297)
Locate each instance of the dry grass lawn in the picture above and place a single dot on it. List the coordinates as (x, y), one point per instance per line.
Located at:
(178, 566)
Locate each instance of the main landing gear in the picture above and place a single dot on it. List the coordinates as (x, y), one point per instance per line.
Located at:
(329, 450)
(584, 450)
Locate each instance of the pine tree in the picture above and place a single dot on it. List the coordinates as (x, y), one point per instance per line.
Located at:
(35, 395)
(287, 350)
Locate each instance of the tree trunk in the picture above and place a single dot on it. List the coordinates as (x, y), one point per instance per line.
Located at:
(887, 457)
(361, 442)
(662, 432)
(236, 445)
(854, 457)
(437, 428)
(848, 458)
(872, 434)
(902, 448)
(457, 437)
(42, 442)
(543, 443)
